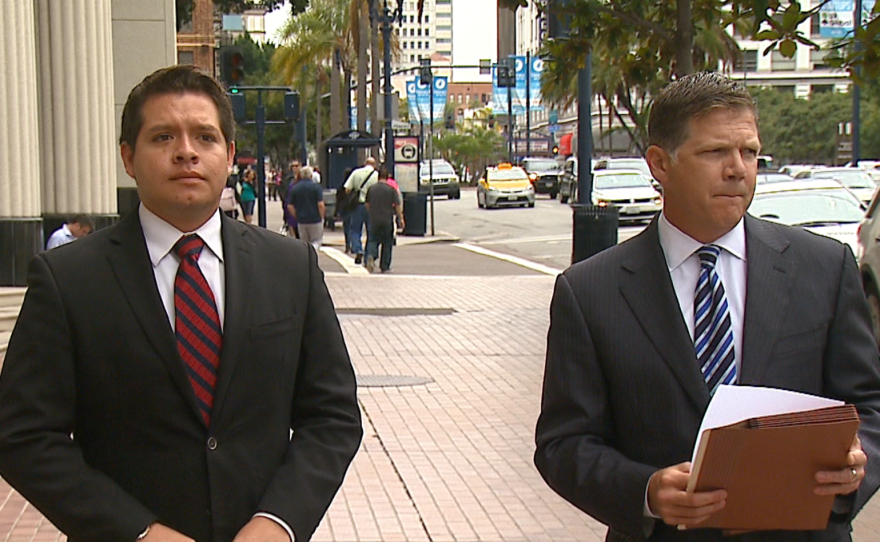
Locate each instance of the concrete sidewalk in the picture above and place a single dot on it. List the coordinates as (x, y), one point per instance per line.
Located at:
(450, 375)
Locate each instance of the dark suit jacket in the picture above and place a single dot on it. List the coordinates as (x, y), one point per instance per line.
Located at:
(93, 355)
(623, 393)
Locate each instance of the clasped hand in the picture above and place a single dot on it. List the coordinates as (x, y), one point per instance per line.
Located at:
(669, 499)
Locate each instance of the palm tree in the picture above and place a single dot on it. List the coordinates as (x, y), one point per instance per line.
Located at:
(319, 36)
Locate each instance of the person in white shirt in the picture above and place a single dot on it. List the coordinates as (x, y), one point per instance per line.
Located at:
(77, 227)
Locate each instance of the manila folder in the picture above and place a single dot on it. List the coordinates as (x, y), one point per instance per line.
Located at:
(768, 465)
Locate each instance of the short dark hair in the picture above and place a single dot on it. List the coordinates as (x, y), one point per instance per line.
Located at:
(174, 80)
(692, 97)
(82, 220)
(383, 173)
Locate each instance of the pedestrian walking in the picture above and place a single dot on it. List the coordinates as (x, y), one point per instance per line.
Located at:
(383, 207)
(628, 378)
(289, 225)
(306, 205)
(359, 182)
(218, 403)
(248, 194)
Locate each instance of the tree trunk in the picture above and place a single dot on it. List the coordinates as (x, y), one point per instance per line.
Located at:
(335, 106)
(374, 73)
(319, 120)
(363, 47)
(346, 104)
(684, 38)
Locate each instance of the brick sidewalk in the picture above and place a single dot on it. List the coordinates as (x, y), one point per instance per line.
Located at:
(450, 460)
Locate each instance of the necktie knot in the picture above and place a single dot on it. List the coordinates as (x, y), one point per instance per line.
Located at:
(189, 246)
(708, 256)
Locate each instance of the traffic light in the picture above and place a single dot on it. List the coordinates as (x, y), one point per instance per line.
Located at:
(449, 121)
(239, 107)
(555, 150)
(291, 106)
(425, 73)
(506, 76)
(231, 66)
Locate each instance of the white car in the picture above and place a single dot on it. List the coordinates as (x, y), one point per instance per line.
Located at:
(628, 190)
(819, 205)
(855, 180)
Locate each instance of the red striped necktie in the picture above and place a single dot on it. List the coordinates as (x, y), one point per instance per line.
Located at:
(197, 324)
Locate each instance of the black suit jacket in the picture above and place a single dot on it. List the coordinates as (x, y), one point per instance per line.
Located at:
(93, 356)
(623, 393)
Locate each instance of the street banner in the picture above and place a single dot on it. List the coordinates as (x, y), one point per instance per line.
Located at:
(836, 17)
(412, 101)
(353, 116)
(537, 69)
(518, 96)
(423, 96)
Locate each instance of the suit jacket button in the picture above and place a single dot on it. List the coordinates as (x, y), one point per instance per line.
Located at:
(212, 443)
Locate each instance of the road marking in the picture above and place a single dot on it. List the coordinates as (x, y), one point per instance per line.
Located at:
(534, 266)
(518, 240)
(347, 263)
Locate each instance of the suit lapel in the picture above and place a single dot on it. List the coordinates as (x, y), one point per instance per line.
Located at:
(238, 266)
(769, 280)
(647, 288)
(131, 264)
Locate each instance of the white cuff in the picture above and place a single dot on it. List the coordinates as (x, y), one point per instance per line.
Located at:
(279, 521)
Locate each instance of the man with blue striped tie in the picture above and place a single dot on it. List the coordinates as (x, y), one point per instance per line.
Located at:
(642, 334)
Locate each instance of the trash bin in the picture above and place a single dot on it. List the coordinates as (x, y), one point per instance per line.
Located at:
(595, 229)
(415, 205)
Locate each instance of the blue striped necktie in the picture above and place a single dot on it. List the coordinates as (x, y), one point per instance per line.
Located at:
(713, 333)
(197, 323)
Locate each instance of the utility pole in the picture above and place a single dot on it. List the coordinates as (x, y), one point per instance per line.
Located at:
(528, 104)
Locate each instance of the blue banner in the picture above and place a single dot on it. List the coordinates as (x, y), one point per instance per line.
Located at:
(420, 103)
(518, 96)
(535, 84)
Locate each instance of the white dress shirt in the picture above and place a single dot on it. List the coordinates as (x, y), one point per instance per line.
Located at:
(161, 237)
(683, 264)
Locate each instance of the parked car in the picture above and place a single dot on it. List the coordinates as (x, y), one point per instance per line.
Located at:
(819, 205)
(636, 163)
(445, 179)
(765, 178)
(569, 179)
(629, 190)
(544, 174)
(858, 181)
(505, 185)
(869, 261)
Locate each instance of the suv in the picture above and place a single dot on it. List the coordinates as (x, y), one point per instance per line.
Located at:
(869, 261)
(445, 178)
(544, 174)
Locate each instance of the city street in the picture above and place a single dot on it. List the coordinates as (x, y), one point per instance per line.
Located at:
(541, 234)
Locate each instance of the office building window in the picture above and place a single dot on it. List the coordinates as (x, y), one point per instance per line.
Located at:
(186, 57)
(412, 58)
(404, 45)
(426, 18)
(427, 45)
(779, 63)
(420, 44)
(749, 60)
(419, 32)
(427, 32)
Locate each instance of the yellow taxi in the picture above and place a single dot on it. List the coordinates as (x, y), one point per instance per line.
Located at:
(505, 185)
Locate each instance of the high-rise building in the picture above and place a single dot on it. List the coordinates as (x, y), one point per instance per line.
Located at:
(428, 36)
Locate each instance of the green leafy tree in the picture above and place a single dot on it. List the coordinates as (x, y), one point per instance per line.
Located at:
(184, 8)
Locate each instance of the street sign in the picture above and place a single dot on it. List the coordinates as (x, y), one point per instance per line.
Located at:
(406, 149)
(554, 116)
(553, 128)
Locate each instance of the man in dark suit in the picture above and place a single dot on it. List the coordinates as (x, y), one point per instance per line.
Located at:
(158, 384)
(625, 385)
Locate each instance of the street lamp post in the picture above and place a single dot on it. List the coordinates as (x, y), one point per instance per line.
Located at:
(387, 19)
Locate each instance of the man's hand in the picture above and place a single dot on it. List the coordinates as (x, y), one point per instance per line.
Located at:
(668, 498)
(847, 479)
(161, 533)
(261, 529)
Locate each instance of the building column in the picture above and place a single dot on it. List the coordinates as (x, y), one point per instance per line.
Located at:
(20, 222)
(75, 46)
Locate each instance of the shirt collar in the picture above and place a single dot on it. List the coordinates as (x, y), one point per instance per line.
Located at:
(161, 235)
(679, 246)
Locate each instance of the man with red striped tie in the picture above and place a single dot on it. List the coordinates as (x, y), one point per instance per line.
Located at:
(157, 386)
